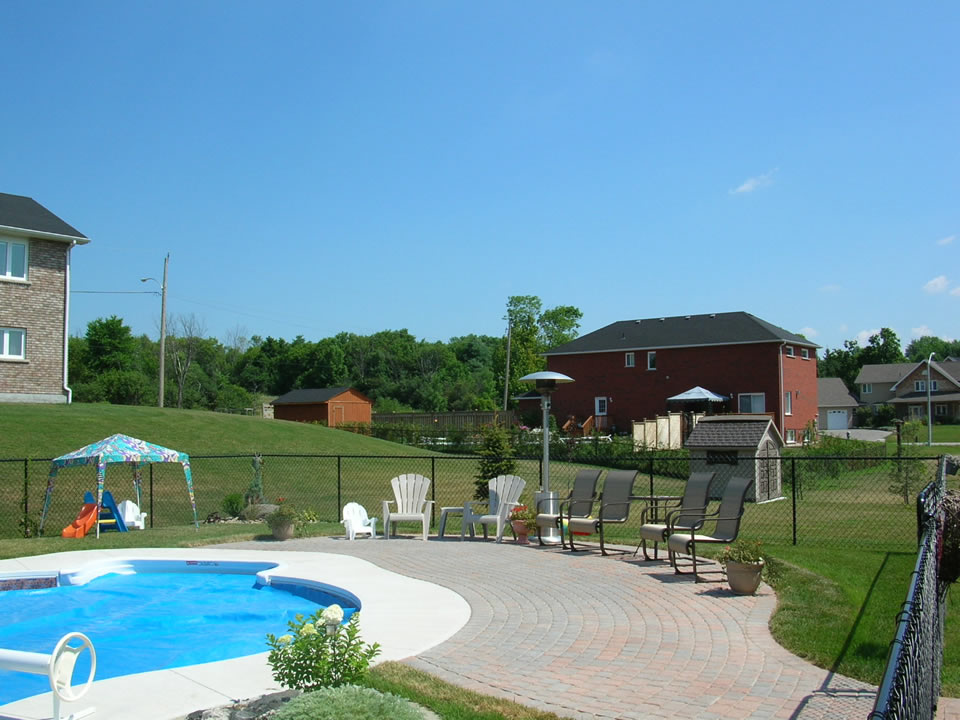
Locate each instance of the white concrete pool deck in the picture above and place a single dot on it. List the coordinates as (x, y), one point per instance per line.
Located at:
(406, 616)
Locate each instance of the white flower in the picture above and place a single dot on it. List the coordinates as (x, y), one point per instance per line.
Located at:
(332, 615)
(285, 639)
(308, 629)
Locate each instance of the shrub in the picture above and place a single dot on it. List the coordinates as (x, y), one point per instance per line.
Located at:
(283, 515)
(496, 459)
(742, 551)
(233, 504)
(348, 701)
(254, 494)
(317, 654)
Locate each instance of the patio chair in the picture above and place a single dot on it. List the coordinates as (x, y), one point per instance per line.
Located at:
(726, 521)
(577, 504)
(410, 493)
(614, 507)
(665, 512)
(356, 522)
(504, 496)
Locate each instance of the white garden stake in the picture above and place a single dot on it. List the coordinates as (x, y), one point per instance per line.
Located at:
(58, 666)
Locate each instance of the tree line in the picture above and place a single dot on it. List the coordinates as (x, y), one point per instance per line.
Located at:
(396, 370)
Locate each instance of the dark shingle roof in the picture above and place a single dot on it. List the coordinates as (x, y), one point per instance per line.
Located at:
(309, 396)
(680, 331)
(891, 372)
(23, 213)
(731, 431)
(831, 392)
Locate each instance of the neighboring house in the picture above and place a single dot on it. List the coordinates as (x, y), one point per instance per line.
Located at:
(332, 406)
(836, 404)
(904, 385)
(35, 248)
(627, 370)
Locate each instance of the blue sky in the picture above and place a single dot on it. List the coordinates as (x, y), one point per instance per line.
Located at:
(318, 167)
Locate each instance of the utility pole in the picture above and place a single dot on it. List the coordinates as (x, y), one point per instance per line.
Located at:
(506, 375)
(163, 325)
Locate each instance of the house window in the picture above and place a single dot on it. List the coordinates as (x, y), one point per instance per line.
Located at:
(934, 385)
(789, 350)
(788, 403)
(600, 406)
(13, 260)
(866, 388)
(917, 411)
(940, 410)
(919, 385)
(629, 360)
(752, 403)
(12, 343)
(792, 437)
(722, 457)
(805, 353)
(652, 360)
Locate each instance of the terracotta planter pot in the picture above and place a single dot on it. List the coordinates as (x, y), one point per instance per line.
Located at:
(520, 530)
(283, 531)
(744, 578)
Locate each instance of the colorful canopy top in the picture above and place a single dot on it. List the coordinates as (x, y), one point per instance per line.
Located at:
(120, 449)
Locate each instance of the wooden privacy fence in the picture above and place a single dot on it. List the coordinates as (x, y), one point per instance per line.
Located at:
(448, 420)
(664, 432)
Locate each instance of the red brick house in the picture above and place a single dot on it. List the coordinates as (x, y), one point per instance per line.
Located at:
(627, 370)
(35, 248)
(326, 405)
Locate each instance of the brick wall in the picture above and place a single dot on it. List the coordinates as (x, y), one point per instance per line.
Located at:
(38, 307)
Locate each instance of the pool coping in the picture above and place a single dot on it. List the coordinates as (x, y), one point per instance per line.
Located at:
(406, 616)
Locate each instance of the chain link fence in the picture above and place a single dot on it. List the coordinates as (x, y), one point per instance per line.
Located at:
(828, 501)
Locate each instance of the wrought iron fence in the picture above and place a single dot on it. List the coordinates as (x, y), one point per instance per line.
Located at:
(828, 501)
(911, 682)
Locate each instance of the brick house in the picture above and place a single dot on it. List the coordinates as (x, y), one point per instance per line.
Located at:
(35, 248)
(331, 406)
(627, 370)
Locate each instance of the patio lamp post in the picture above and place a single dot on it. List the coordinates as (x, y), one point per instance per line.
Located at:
(545, 383)
(163, 321)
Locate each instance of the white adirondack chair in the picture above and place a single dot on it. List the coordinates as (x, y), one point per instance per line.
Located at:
(505, 493)
(356, 522)
(410, 497)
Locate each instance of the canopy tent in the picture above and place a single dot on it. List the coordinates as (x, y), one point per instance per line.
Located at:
(698, 393)
(119, 449)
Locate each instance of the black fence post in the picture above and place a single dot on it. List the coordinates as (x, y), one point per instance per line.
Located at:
(793, 492)
(152, 516)
(26, 496)
(433, 489)
(650, 472)
(339, 476)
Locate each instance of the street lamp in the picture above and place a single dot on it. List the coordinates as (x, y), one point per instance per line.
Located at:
(163, 321)
(929, 408)
(545, 383)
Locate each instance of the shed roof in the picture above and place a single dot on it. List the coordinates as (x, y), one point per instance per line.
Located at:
(730, 328)
(25, 214)
(310, 396)
(832, 392)
(731, 431)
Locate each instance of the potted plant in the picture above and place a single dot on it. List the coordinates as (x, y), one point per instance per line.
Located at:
(523, 519)
(282, 521)
(743, 563)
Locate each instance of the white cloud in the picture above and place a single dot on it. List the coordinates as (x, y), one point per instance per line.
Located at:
(938, 285)
(809, 332)
(755, 183)
(863, 337)
(955, 291)
(918, 332)
(946, 240)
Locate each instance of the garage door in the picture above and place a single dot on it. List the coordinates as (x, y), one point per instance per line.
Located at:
(836, 419)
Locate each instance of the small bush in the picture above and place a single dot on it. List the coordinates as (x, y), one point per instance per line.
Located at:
(348, 701)
(233, 504)
(496, 459)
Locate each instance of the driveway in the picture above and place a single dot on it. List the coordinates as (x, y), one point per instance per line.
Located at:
(859, 434)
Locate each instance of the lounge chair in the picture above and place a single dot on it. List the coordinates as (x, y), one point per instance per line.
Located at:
(356, 522)
(410, 497)
(726, 522)
(664, 513)
(504, 496)
(577, 504)
(613, 507)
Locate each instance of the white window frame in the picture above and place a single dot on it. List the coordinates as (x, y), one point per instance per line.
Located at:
(629, 360)
(917, 411)
(5, 261)
(600, 406)
(919, 385)
(866, 388)
(652, 360)
(5, 334)
(805, 353)
(790, 351)
(791, 437)
(788, 403)
(940, 410)
(763, 399)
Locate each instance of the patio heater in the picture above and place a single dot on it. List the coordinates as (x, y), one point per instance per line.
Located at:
(545, 383)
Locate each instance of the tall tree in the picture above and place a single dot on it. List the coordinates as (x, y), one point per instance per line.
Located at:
(110, 345)
(844, 364)
(921, 348)
(883, 348)
(184, 344)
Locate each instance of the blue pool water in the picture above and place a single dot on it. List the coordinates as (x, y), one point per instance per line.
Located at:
(149, 621)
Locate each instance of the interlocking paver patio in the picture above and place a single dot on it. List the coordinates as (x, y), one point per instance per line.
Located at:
(589, 637)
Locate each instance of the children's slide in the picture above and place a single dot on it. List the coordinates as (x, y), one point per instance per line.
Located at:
(85, 520)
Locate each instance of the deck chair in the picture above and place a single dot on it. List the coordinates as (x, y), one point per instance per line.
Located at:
(577, 504)
(410, 497)
(613, 507)
(504, 496)
(355, 521)
(726, 521)
(664, 513)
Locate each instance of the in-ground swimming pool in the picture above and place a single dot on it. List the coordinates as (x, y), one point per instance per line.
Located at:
(160, 614)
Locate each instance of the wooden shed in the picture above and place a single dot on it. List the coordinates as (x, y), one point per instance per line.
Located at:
(332, 406)
(738, 445)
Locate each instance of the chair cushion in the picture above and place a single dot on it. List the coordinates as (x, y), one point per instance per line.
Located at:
(547, 520)
(406, 517)
(679, 542)
(653, 532)
(583, 525)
